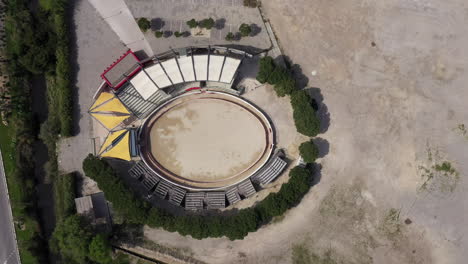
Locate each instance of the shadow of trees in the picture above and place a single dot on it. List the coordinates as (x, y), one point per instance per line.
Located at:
(255, 30)
(157, 24)
(220, 23)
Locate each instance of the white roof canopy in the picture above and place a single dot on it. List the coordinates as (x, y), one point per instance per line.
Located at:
(186, 67)
(230, 68)
(201, 67)
(216, 64)
(158, 75)
(143, 85)
(172, 71)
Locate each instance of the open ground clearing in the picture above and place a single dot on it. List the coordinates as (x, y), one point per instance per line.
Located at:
(392, 75)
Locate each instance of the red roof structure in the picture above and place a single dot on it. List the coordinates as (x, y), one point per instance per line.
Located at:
(121, 70)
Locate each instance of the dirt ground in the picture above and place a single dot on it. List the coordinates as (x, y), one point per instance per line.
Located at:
(393, 186)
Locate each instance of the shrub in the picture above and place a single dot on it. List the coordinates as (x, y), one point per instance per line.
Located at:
(192, 23)
(245, 29)
(158, 34)
(285, 87)
(309, 151)
(229, 37)
(144, 24)
(266, 68)
(305, 118)
(207, 23)
(177, 34)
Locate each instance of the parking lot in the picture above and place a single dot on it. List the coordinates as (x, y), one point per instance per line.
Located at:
(172, 15)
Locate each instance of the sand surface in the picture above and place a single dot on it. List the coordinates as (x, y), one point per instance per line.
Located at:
(207, 139)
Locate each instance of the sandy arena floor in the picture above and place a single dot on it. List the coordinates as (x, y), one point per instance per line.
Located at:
(207, 139)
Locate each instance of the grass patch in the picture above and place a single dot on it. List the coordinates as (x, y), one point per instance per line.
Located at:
(8, 148)
(64, 195)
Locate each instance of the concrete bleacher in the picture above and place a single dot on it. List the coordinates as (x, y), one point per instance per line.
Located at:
(194, 201)
(232, 195)
(270, 171)
(215, 200)
(176, 195)
(148, 178)
(246, 188)
(162, 189)
(139, 106)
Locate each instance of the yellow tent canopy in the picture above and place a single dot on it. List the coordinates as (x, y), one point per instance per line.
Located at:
(108, 120)
(103, 97)
(110, 138)
(114, 105)
(119, 149)
(109, 111)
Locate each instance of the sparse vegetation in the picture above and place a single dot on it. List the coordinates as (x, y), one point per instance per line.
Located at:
(144, 24)
(439, 175)
(245, 30)
(302, 255)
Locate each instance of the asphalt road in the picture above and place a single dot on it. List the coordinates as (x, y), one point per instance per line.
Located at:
(8, 248)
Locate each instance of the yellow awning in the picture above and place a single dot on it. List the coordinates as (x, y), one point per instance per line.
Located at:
(110, 121)
(111, 137)
(103, 97)
(121, 150)
(113, 105)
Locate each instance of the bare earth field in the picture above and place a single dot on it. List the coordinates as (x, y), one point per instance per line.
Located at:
(393, 186)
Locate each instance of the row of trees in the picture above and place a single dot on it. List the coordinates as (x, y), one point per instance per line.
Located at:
(77, 243)
(233, 226)
(244, 31)
(37, 43)
(207, 23)
(305, 117)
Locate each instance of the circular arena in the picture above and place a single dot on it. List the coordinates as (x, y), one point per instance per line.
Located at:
(206, 140)
(181, 123)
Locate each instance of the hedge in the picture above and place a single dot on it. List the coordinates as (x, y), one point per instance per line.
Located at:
(309, 151)
(233, 226)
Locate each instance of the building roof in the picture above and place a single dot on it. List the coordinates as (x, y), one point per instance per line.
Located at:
(121, 70)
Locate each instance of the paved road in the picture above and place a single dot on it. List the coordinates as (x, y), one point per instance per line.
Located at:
(8, 248)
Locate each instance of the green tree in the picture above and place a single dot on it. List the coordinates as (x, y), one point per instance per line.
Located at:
(144, 24)
(177, 34)
(309, 151)
(192, 23)
(71, 239)
(207, 23)
(100, 250)
(285, 87)
(245, 29)
(266, 67)
(229, 36)
(158, 34)
(305, 118)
